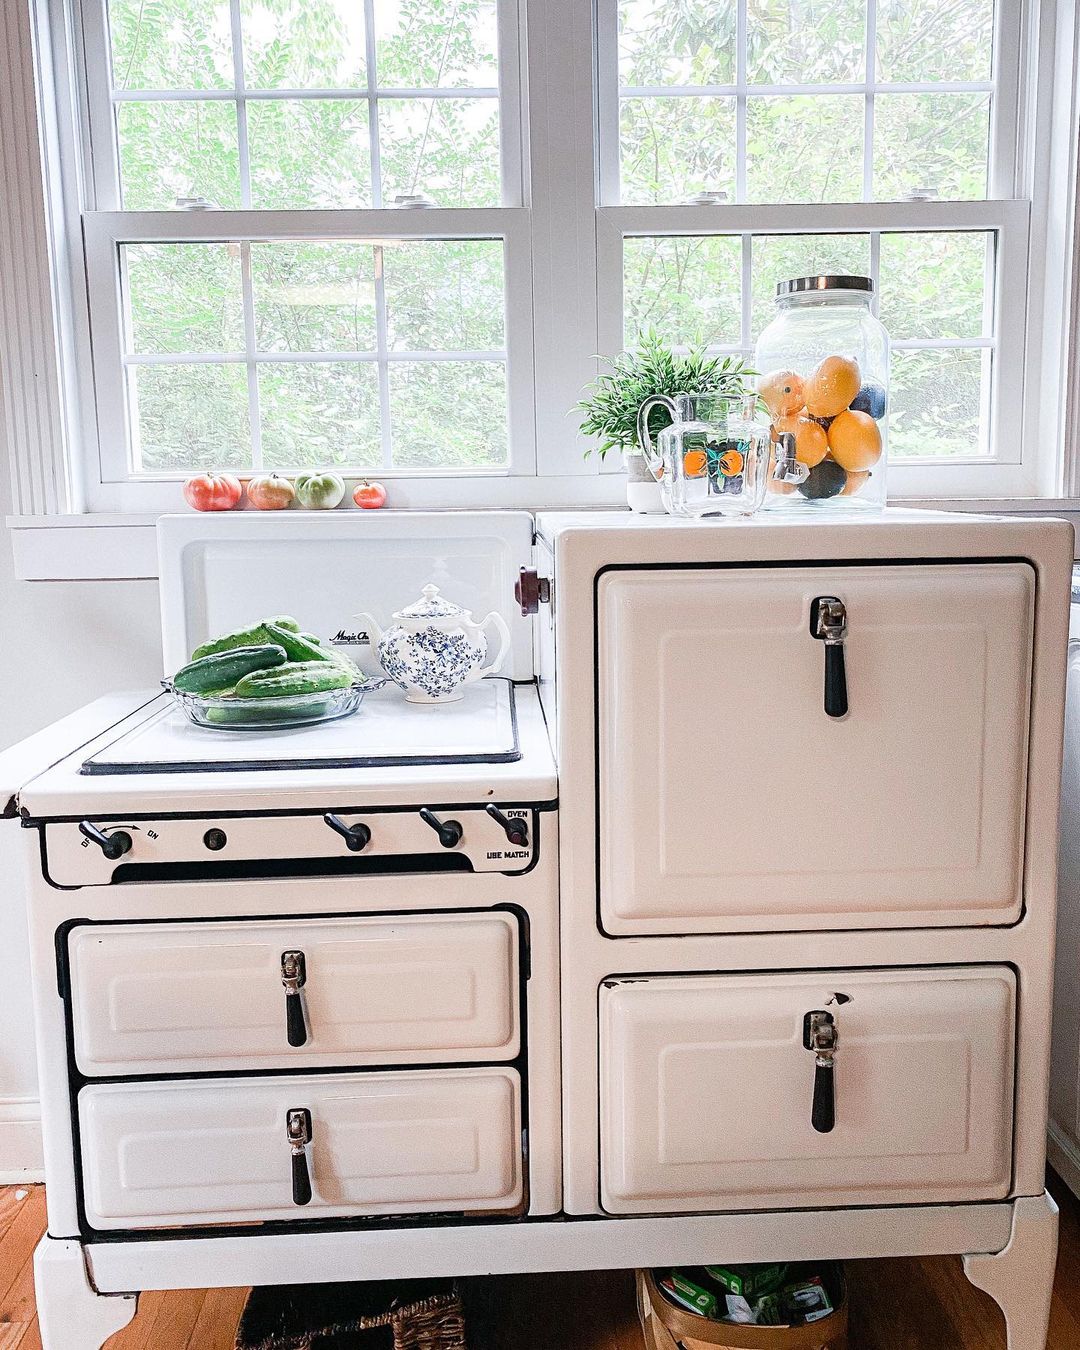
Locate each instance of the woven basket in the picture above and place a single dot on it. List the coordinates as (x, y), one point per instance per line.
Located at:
(284, 1320)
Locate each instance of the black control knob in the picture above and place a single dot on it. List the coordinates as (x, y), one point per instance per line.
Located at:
(215, 840)
(356, 837)
(449, 831)
(113, 845)
(516, 829)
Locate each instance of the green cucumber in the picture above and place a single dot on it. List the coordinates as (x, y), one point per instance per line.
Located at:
(221, 670)
(256, 636)
(247, 712)
(304, 647)
(295, 677)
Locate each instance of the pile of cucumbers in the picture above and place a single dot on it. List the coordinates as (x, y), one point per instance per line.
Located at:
(271, 660)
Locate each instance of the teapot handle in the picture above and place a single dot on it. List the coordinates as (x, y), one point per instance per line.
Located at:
(645, 440)
(374, 631)
(504, 643)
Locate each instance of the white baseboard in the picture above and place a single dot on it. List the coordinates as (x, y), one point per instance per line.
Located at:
(1063, 1154)
(21, 1158)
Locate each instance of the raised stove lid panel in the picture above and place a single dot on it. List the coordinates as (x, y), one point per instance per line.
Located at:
(707, 1090)
(154, 998)
(765, 812)
(480, 728)
(225, 571)
(192, 1153)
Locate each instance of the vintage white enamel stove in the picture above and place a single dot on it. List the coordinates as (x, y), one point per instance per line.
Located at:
(301, 1010)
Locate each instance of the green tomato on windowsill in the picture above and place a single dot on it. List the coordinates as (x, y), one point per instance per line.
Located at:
(320, 491)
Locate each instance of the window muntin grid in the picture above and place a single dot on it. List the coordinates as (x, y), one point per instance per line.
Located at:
(934, 291)
(844, 126)
(204, 130)
(306, 353)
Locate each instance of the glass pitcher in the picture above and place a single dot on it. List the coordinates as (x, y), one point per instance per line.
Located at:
(713, 460)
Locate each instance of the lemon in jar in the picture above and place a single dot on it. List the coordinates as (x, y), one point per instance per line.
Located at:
(832, 387)
(855, 440)
(782, 392)
(811, 440)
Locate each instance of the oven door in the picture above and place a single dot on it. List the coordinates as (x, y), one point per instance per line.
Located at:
(732, 798)
(189, 997)
(712, 1096)
(224, 1151)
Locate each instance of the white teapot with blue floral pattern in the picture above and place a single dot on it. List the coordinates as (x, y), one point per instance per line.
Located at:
(435, 648)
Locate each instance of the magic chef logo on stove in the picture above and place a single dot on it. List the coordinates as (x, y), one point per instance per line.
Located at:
(342, 638)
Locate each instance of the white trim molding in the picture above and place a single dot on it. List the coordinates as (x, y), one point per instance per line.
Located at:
(31, 377)
(21, 1158)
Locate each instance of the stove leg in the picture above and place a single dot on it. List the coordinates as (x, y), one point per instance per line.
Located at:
(72, 1315)
(1020, 1279)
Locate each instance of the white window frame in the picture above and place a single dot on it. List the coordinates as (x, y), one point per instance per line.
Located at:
(107, 228)
(563, 271)
(1006, 214)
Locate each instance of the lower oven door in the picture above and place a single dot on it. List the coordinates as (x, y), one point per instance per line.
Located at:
(728, 1092)
(237, 1151)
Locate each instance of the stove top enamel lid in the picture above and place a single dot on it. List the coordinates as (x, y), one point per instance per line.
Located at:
(481, 728)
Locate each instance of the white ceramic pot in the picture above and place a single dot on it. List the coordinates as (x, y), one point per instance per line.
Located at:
(642, 490)
(435, 648)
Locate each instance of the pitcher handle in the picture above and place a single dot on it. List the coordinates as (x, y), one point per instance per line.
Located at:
(645, 440)
(504, 643)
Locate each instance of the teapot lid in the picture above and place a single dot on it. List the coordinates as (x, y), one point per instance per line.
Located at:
(431, 605)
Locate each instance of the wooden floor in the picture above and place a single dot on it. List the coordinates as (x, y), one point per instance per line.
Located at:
(895, 1305)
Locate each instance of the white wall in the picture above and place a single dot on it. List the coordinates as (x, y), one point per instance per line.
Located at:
(62, 644)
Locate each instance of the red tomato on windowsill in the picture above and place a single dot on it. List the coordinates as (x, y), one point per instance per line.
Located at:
(369, 495)
(212, 491)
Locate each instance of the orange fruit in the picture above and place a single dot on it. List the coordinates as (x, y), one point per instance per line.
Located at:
(855, 440)
(694, 463)
(855, 482)
(782, 392)
(811, 442)
(832, 386)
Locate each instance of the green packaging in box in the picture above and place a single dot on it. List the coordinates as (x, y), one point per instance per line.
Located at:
(749, 1282)
(686, 1292)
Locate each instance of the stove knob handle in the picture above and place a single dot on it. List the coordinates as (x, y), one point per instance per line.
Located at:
(531, 590)
(516, 830)
(113, 845)
(449, 831)
(357, 837)
(298, 1132)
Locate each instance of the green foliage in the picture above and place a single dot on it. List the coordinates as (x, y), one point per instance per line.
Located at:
(653, 368)
(318, 297)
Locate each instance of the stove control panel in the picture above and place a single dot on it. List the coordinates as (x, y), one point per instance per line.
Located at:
(99, 852)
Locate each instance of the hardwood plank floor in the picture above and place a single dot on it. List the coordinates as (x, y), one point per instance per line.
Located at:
(924, 1304)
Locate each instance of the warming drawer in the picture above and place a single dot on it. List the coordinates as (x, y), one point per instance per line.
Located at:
(709, 1094)
(203, 1153)
(731, 799)
(219, 996)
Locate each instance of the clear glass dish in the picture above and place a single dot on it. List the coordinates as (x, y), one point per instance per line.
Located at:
(226, 712)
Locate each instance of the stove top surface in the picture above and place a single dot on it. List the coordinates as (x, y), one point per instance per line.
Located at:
(480, 728)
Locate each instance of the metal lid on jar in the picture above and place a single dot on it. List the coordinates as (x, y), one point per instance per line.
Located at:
(804, 285)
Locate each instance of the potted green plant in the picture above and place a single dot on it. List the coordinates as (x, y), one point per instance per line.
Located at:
(652, 367)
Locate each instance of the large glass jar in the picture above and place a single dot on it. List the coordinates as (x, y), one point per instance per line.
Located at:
(824, 379)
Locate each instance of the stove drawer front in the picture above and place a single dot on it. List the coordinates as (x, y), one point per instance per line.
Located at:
(203, 1153)
(199, 997)
(767, 813)
(708, 1095)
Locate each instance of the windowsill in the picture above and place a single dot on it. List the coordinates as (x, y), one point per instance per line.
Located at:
(115, 547)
